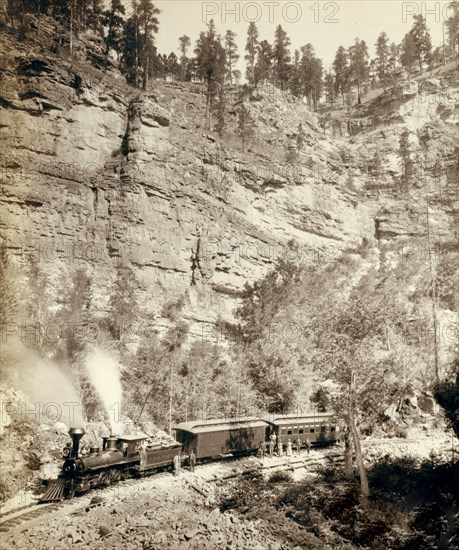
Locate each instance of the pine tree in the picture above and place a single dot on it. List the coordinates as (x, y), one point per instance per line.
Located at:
(394, 59)
(300, 137)
(452, 27)
(173, 66)
(237, 77)
(341, 68)
(251, 49)
(210, 63)
(329, 85)
(95, 14)
(130, 50)
(422, 40)
(139, 51)
(295, 76)
(281, 57)
(221, 110)
(149, 24)
(184, 45)
(113, 22)
(373, 75)
(263, 66)
(231, 54)
(382, 58)
(246, 125)
(311, 73)
(408, 55)
(358, 66)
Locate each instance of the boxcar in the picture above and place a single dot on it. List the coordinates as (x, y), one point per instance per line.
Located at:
(212, 438)
(319, 428)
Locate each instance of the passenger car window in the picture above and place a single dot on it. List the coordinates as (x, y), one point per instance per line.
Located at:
(289, 432)
(301, 431)
(323, 428)
(312, 430)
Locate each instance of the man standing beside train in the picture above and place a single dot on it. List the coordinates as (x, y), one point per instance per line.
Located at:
(177, 464)
(298, 446)
(192, 460)
(272, 444)
(280, 448)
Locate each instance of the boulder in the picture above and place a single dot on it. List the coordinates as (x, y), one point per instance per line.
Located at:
(391, 411)
(96, 501)
(407, 88)
(426, 404)
(104, 531)
(215, 514)
(190, 533)
(430, 86)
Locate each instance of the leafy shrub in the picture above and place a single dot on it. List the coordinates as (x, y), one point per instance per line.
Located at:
(342, 502)
(428, 518)
(280, 477)
(6, 488)
(244, 495)
(370, 530)
(393, 476)
(33, 461)
(400, 432)
(292, 156)
(172, 308)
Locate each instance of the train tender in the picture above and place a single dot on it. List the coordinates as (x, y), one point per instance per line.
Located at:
(216, 438)
(319, 428)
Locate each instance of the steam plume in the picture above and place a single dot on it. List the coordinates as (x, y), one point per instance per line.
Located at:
(104, 373)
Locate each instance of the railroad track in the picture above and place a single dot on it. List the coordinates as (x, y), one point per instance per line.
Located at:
(285, 465)
(14, 518)
(19, 516)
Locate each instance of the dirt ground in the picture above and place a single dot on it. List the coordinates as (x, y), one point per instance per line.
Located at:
(177, 513)
(162, 512)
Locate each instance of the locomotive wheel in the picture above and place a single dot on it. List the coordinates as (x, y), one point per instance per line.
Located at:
(115, 476)
(104, 479)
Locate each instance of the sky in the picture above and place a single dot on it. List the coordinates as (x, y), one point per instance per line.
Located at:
(326, 25)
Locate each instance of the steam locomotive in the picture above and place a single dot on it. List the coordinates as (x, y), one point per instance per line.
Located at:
(135, 455)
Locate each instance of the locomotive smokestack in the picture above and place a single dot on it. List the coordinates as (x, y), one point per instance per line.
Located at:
(76, 434)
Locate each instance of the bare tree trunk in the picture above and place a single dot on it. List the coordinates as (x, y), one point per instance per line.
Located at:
(207, 106)
(170, 401)
(145, 75)
(347, 453)
(146, 64)
(136, 54)
(364, 488)
(71, 26)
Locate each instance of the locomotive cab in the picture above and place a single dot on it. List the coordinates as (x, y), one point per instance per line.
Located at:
(130, 445)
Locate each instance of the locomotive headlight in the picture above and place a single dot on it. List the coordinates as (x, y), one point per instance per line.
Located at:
(70, 466)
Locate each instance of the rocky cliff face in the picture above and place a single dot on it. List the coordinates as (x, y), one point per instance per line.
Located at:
(97, 176)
